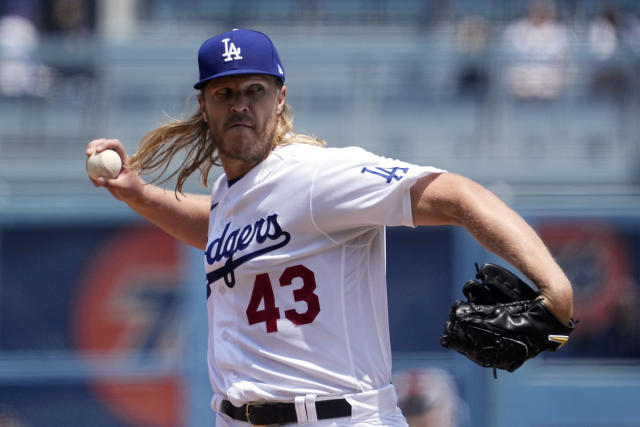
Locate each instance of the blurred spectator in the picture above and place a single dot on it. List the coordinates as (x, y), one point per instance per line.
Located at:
(614, 40)
(9, 417)
(537, 48)
(71, 17)
(71, 23)
(30, 9)
(473, 77)
(21, 74)
(429, 398)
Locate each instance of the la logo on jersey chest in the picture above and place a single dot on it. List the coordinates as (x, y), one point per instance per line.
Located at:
(231, 52)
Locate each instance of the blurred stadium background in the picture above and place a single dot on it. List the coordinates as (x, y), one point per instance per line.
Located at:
(102, 318)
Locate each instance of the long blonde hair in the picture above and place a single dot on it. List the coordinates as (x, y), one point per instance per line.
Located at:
(191, 136)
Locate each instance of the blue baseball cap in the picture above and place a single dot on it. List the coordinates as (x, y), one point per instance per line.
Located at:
(238, 52)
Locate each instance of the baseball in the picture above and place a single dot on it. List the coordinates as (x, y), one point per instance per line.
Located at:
(105, 164)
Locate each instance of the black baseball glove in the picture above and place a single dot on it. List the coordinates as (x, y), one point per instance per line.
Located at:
(503, 323)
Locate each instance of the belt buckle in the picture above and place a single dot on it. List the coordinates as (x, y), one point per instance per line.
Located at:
(247, 414)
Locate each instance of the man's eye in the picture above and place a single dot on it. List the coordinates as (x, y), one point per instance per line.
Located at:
(256, 89)
(221, 93)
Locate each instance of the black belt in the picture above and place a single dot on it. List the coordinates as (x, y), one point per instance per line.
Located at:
(283, 413)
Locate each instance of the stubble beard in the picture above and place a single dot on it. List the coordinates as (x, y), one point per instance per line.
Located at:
(249, 150)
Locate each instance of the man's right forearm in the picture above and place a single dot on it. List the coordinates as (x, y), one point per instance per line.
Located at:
(185, 218)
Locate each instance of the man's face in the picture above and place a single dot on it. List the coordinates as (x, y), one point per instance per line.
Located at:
(242, 114)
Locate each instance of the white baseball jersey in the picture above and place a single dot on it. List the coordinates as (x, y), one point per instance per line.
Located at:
(295, 264)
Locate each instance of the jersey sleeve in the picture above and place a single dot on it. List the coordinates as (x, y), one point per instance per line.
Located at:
(353, 187)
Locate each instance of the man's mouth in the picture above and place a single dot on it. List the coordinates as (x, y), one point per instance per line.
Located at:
(233, 125)
(239, 122)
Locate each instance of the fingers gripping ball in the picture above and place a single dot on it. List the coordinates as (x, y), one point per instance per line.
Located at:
(105, 164)
(503, 323)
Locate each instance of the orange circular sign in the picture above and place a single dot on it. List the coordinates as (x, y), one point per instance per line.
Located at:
(125, 314)
(595, 258)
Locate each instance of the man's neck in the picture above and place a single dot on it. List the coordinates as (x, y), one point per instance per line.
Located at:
(235, 169)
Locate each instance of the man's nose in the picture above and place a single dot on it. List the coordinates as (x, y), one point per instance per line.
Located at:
(239, 103)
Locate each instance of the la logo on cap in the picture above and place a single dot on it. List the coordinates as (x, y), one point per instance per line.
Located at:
(231, 52)
(242, 52)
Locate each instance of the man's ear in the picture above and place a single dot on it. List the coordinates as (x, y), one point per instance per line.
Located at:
(282, 99)
(202, 109)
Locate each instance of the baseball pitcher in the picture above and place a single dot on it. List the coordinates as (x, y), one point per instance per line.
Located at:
(294, 246)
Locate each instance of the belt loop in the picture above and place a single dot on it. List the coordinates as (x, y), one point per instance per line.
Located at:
(310, 405)
(216, 402)
(301, 411)
(247, 413)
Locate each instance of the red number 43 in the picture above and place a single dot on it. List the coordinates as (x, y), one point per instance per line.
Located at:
(270, 313)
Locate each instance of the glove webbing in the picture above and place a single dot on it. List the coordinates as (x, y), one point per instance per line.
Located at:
(499, 344)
